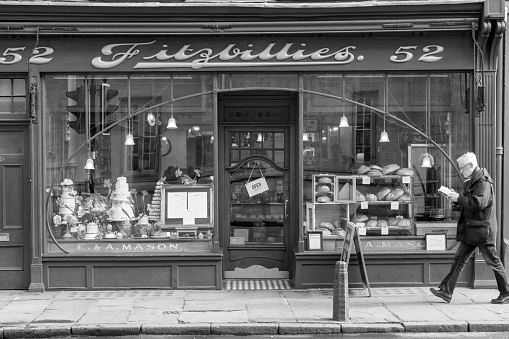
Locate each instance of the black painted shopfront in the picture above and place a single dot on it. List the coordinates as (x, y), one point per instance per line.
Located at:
(179, 154)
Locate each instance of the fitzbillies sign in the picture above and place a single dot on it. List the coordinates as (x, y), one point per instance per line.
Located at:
(290, 54)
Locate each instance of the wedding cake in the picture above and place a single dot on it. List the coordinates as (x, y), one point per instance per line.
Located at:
(67, 199)
(121, 205)
(155, 206)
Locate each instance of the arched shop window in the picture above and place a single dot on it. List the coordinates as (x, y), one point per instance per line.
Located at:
(342, 138)
(103, 127)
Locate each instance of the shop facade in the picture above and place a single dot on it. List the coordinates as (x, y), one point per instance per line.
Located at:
(163, 154)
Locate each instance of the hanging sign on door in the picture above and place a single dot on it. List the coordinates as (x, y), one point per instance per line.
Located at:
(257, 186)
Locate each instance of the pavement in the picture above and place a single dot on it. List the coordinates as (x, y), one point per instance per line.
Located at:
(49, 314)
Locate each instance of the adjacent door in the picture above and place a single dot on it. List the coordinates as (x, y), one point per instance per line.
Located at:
(14, 208)
(257, 139)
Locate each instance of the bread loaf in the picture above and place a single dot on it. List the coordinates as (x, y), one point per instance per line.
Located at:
(323, 199)
(393, 221)
(327, 225)
(363, 170)
(405, 223)
(381, 195)
(371, 197)
(359, 196)
(405, 197)
(362, 217)
(382, 223)
(374, 173)
(386, 170)
(376, 168)
(360, 224)
(323, 189)
(372, 223)
(394, 194)
(325, 180)
(405, 171)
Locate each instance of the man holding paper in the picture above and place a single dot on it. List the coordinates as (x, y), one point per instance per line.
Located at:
(477, 227)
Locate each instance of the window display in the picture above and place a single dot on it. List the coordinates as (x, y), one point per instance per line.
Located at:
(111, 156)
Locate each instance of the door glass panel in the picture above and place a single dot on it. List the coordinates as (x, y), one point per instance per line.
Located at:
(257, 218)
(11, 143)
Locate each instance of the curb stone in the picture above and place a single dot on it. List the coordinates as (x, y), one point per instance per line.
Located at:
(488, 326)
(35, 332)
(301, 328)
(176, 329)
(106, 330)
(244, 329)
(448, 326)
(372, 328)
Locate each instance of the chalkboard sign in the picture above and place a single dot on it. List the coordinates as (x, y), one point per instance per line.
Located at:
(187, 205)
(352, 237)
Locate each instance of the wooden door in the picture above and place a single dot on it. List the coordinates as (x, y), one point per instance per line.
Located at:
(14, 208)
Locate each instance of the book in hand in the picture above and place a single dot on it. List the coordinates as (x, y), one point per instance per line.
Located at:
(445, 190)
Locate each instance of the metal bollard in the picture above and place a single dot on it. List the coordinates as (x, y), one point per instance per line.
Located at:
(340, 303)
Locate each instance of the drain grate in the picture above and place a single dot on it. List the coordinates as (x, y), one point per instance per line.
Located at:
(114, 294)
(257, 284)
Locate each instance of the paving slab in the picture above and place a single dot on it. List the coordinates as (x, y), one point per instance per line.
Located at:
(214, 317)
(156, 316)
(95, 316)
(214, 305)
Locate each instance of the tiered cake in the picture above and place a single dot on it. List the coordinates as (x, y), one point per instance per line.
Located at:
(121, 204)
(67, 199)
(155, 206)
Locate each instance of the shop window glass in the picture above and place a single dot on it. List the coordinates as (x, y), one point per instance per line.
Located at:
(243, 80)
(105, 110)
(434, 104)
(12, 97)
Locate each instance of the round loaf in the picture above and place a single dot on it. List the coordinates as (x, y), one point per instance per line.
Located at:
(393, 221)
(325, 180)
(359, 196)
(405, 223)
(323, 199)
(371, 197)
(376, 167)
(382, 223)
(360, 224)
(372, 223)
(323, 189)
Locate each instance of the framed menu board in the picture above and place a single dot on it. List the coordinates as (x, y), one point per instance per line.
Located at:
(189, 205)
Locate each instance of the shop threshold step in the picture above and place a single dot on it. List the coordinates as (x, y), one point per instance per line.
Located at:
(257, 284)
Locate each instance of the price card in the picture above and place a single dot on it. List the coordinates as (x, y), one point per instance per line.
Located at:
(385, 230)
(362, 231)
(364, 205)
(405, 179)
(394, 205)
(366, 180)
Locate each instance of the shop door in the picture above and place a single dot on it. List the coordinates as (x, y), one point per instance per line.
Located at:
(259, 202)
(14, 208)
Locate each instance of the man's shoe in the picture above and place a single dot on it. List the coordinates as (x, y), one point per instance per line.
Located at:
(503, 298)
(444, 295)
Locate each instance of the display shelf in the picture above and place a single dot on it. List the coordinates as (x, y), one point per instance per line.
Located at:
(324, 188)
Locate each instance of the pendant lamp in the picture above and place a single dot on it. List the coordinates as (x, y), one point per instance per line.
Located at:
(344, 121)
(129, 139)
(427, 160)
(89, 165)
(172, 124)
(384, 137)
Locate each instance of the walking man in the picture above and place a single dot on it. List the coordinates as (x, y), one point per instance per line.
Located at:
(477, 227)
